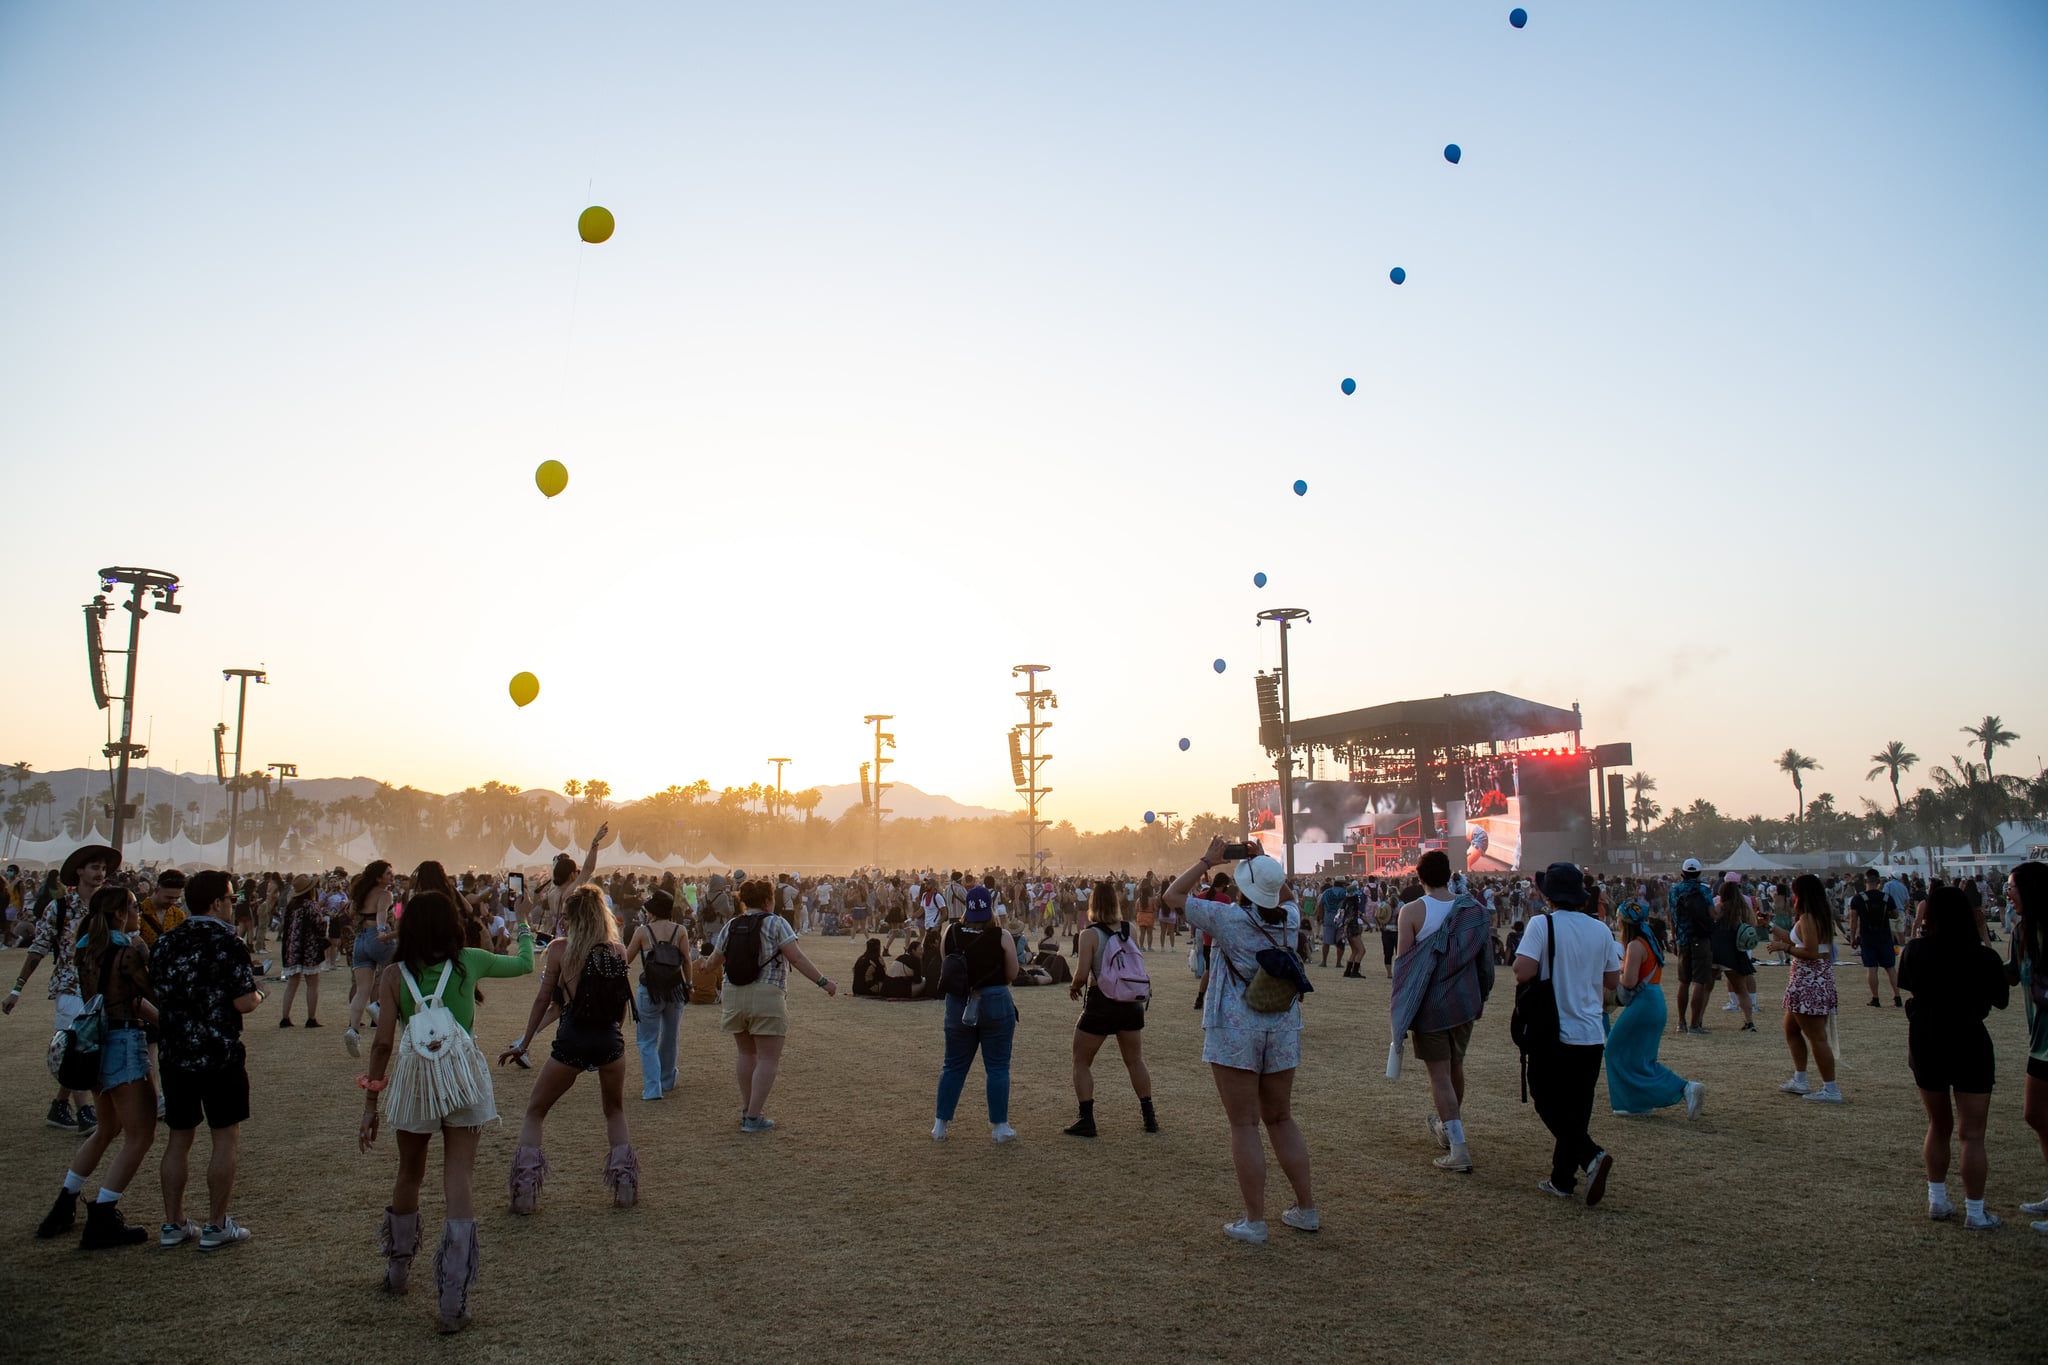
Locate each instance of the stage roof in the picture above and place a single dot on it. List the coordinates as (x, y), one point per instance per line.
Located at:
(1465, 719)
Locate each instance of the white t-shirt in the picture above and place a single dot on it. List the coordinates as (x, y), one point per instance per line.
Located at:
(1586, 951)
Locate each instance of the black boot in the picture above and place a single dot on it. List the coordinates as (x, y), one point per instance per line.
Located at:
(104, 1228)
(1085, 1125)
(1151, 1119)
(62, 1217)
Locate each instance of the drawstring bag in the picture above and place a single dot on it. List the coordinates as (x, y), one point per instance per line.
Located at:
(439, 1070)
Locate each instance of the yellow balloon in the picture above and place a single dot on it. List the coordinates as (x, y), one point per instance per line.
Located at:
(595, 225)
(552, 477)
(525, 687)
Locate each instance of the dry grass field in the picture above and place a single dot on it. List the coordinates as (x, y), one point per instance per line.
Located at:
(1769, 1229)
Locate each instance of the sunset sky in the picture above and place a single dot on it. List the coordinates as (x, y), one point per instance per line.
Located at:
(936, 338)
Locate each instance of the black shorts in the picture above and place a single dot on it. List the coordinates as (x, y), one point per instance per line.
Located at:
(587, 1046)
(1389, 940)
(221, 1097)
(1961, 1061)
(1103, 1016)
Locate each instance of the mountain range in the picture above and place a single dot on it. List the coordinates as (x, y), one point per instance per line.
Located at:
(148, 786)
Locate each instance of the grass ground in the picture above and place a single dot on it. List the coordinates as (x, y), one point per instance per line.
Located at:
(1767, 1228)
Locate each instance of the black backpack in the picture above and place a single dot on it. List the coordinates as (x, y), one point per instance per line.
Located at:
(743, 949)
(1536, 1024)
(664, 977)
(602, 991)
(1695, 911)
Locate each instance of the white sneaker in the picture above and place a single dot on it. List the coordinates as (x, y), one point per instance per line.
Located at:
(1245, 1230)
(1990, 1222)
(1307, 1220)
(1731, 1008)
(1941, 1212)
(1827, 1094)
(1695, 1096)
(176, 1234)
(2039, 1206)
(353, 1041)
(1794, 1087)
(1436, 1130)
(1002, 1132)
(1458, 1159)
(938, 1130)
(229, 1233)
(2041, 1226)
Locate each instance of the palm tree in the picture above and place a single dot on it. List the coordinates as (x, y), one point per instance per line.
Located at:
(1793, 763)
(1892, 760)
(40, 796)
(1990, 733)
(1980, 802)
(1646, 810)
(1639, 783)
(18, 774)
(161, 820)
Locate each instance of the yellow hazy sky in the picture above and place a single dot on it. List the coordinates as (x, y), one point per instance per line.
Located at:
(936, 340)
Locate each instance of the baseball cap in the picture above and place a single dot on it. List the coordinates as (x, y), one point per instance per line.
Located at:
(1261, 880)
(980, 906)
(1690, 865)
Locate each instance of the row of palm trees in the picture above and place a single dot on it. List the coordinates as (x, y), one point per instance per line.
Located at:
(1967, 802)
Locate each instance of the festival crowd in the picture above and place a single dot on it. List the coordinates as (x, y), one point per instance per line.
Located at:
(153, 974)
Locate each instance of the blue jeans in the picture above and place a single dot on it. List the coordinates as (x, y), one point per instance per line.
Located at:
(992, 1032)
(656, 1034)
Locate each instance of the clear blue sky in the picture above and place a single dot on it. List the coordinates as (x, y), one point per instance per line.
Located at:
(940, 338)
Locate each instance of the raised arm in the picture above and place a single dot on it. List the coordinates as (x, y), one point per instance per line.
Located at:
(590, 858)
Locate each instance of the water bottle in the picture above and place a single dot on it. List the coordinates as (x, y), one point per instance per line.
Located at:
(972, 1014)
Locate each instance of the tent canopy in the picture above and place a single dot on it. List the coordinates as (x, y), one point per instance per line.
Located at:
(1745, 858)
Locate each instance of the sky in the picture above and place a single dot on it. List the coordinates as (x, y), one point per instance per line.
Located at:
(936, 339)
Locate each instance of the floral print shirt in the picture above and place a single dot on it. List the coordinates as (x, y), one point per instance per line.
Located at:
(56, 939)
(197, 971)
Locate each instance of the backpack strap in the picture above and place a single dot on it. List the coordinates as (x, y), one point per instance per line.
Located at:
(419, 1002)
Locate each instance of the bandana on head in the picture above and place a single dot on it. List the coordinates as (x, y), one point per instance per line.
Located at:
(1634, 913)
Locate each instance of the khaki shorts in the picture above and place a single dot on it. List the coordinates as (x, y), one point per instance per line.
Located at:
(1696, 964)
(1443, 1045)
(757, 1008)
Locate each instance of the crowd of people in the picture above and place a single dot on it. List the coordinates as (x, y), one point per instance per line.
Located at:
(152, 975)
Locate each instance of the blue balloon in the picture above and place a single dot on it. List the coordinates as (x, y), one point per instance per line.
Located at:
(1451, 153)
(1518, 17)
(1258, 580)
(1397, 274)
(1219, 665)
(1183, 746)
(1350, 386)
(1301, 488)
(1150, 817)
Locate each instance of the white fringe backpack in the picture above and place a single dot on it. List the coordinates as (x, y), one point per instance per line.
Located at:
(439, 1069)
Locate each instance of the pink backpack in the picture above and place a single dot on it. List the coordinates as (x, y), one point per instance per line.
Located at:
(1120, 973)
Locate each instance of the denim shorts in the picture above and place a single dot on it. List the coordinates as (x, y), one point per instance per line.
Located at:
(587, 1047)
(124, 1057)
(371, 951)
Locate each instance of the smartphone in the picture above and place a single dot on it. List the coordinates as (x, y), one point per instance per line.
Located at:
(1237, 853)
(518, 881)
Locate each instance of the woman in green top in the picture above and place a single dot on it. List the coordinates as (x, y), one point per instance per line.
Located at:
(430, 943)
(2027, 891)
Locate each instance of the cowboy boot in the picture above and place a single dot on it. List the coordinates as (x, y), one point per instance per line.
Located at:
(455, 1267)
(399, 1240)
(622, 1173)
(529, 1169)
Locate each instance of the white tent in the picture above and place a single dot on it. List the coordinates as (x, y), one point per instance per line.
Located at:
(1745, 858)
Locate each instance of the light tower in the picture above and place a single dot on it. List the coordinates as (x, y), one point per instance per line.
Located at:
(1025, 760)
(1282, 732)
(162, 587)
(880, 786)
(779, 762)
(220, 765)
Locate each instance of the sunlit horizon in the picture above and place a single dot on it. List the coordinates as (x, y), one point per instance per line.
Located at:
(934, 342)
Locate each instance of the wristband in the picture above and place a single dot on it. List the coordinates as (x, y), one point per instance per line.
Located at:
(365, 1083)
(824, 983)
